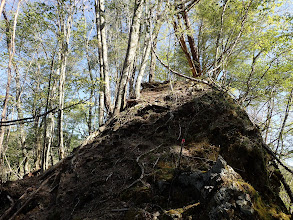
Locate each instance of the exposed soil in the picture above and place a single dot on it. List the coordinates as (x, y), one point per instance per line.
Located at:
(156, 160)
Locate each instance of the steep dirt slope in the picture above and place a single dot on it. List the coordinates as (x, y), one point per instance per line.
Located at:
(184, 151)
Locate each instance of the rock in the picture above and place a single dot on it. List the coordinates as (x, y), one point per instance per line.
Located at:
(220, 191)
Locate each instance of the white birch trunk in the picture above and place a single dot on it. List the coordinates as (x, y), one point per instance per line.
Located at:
(11, 50)
(20, 128)
(65, 33)
(130, 54)
(145, 57)
(102, 91)
(104, 53)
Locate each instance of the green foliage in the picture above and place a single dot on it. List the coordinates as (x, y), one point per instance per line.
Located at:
(250, 42)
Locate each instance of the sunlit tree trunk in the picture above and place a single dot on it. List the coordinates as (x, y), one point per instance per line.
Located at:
(192, 46)
(10, 36)
(48, 119)
(48, 139)
(147, 50)
(288, 107)
(2, 6)
(102, 78)
(130, 54)
(37, 144)
(270, 109)
(146, 54)
(154, 40)
(104, 53)
(20, 127)
(64, 26)
(36, 126)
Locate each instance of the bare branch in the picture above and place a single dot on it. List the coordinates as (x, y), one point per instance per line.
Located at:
(213, 84)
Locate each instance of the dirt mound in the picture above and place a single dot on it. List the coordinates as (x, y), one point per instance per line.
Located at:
(184, 151)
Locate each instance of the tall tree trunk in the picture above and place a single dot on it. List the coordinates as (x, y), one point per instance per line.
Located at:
(90, 118)
(2, 6)
(20, 128)
(153, 62)
(145, 56)
(154, 40)
(3, 170)
(191, 54)
(147, 51)
(270, 109)
(48, 119)
(37, 144)
(48, 139)
(192, 46)
(104, 53)
(131, 85)
(288, 107)
(102, 90)
(64, 35)
(130, 54)
(11, 50)
(217, 70)
(6, 99)
(37, 127)
(184, 48)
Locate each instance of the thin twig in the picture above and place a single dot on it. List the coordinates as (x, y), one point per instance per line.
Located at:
(276, 158)
(27, 120)
(213, 85)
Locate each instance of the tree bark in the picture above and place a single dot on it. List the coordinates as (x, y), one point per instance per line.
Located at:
(184, 48)
(104, 53)
(11, 50)
(154, 40)
(130, 54)
(36, 126)
(92, 88)
(38, 145)
(288, 107)
(146, 54)
(64, 38)
(193, 48)
(48, 139)
(48, 123)
(270, 109)
(147, 50)
(102, 91)
(2, 6)
(20, 127)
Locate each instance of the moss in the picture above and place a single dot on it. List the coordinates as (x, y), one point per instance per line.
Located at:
(264, 210)
(165, 171)
(179, 211)
(268, 211)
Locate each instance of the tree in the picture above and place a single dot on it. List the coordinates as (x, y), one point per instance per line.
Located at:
(191, 53)
(64, 23)
(150, 35)
(103, 50)
(2, 6)
(10, 36)
(130, 55)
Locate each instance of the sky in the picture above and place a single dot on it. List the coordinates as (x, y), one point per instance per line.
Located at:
(286, 8)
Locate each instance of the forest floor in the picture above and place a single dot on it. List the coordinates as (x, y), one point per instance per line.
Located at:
(184, 151)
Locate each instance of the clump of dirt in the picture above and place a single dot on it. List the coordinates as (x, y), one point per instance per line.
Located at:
(184, 151)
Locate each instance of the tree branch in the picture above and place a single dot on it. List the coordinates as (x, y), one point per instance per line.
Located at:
(213, 84)
(27, 120)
